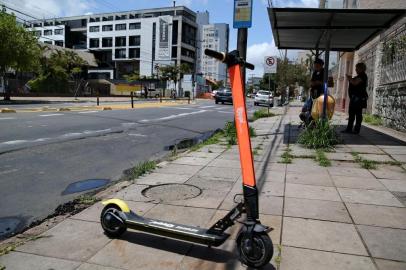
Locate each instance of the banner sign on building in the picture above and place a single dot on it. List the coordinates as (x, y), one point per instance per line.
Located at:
(242, 13)
(163, 52)
(270, 64)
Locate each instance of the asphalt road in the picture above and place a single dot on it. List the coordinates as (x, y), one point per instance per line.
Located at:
(42, 153)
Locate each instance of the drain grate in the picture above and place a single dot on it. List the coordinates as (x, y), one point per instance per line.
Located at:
(171, 192)
(84, 185)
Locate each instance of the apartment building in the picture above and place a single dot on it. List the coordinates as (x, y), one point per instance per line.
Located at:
(212, 36)
(128, 42)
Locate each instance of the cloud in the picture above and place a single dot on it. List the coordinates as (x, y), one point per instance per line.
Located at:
(296, 3)
(256, 54)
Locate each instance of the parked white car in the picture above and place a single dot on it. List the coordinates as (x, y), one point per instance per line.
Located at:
(263, 97)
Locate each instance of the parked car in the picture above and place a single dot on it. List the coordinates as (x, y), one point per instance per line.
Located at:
(224, 95)
(263, 97)
(213, 93)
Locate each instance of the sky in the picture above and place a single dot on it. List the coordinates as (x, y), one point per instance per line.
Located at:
(260, 40)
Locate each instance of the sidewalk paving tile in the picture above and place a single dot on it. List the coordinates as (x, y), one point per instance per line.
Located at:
(273, 188)
(308, 162)
(220, 173)
(394, 185)
(390, 265)
(312, 192)
(340, 156)
(270, 205)
(400, 158)
(341, 164)
(178, 169)
(351, 172)
(192, 161)
(316, 209)
(182, 215)
(385, 243)
(215, 148)
(67, 241)
(89, 266)
(376, 197)
(202, 155)
(25, 261)
(306, 168)
(208, 199)
(309, 179)
(375, 215)
(367, 149)
(357, 182)
(219, 162)
(210, 184)
(133, 193)
(137, 250)
(304, 259)
(322, 235)
(378, 158)
(93, 213)
(160, 178)
(389, 172)
(398, 150)
(271, 176)
(275, 166)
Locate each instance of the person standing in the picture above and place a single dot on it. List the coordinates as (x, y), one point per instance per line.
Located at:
(316, 82)
(357, 91)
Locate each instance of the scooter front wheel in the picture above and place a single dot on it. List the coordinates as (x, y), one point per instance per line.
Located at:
(111, 222)
(255, 249)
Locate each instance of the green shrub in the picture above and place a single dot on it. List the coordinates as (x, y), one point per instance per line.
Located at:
(322, 158)
(230, 132)
(321, 134)
(262, 113)
(373, 119)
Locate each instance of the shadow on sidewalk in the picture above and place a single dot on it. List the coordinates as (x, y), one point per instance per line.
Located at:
(367, 136)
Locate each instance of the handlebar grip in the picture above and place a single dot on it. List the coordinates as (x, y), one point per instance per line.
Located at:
(249, 66)
(218, 55)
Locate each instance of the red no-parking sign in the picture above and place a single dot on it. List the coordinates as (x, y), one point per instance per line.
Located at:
(270, 64)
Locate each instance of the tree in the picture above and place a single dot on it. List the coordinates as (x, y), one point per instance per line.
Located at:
(136, 77)
(19, 49)
(174, 73)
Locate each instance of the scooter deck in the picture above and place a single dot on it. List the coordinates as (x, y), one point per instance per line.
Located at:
(174, 230)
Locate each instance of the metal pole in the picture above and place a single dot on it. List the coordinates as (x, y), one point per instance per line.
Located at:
(326, 67)
(242, 37)
(132, 100)
(269, 93)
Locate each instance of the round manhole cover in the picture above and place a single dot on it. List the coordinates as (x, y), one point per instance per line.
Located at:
(171, 192)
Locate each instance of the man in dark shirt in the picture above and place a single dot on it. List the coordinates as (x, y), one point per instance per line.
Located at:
(357, 91)
(316, 82)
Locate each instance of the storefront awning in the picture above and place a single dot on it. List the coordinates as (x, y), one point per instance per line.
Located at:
(347, 29)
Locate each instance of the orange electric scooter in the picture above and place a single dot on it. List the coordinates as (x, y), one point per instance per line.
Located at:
(254, 245)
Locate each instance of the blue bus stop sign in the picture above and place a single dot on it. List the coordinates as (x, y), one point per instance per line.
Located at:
(242, 13)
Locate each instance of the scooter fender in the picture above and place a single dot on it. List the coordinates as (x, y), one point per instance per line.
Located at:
(119, 203)
(257, 227)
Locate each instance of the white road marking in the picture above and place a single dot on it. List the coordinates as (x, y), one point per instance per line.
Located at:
(72, 134)
(54, 114)
(8, 171)
(205, 107)
(89, 112)
(137, 135)
(225, 112)
(96, 131)
(7, 118)
(144, 120)
(179, 115)
(128, 124)
(14, 142)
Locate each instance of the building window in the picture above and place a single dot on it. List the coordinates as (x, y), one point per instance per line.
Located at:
(134, 53)
(174, 52)
(47, 32)
(120, 27)
(94, 28)
(58, 32)
(107, 42)
(133, 26)
(37, 33)
(59, 43)
(122, 17)
(48, 42)
(109, 18)
(107, 28)
(135, 40)
(120, 53)
(94, 43)
(121, 41)
(94, 19)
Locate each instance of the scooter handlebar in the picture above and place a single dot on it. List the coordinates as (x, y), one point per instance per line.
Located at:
(221, 56)
(218, 55)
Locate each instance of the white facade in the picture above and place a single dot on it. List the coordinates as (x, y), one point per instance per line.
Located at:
(142, 31)
(214, 37)
(53, 34)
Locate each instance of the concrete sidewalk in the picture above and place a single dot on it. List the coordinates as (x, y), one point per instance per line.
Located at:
(338, 217)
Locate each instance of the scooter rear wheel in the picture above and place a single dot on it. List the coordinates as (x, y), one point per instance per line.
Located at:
(255, 249)
(112, 227)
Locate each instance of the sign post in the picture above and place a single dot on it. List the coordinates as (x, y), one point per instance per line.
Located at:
(242, 20)
(270, 67)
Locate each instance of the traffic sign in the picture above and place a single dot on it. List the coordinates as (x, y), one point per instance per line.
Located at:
(270, 64)
(242, 13)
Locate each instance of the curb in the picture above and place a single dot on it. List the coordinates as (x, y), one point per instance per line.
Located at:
(6, 110)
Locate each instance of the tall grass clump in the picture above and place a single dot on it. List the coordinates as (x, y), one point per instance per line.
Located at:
(321, 134)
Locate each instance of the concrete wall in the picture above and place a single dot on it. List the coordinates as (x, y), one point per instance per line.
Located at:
(391, 105)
